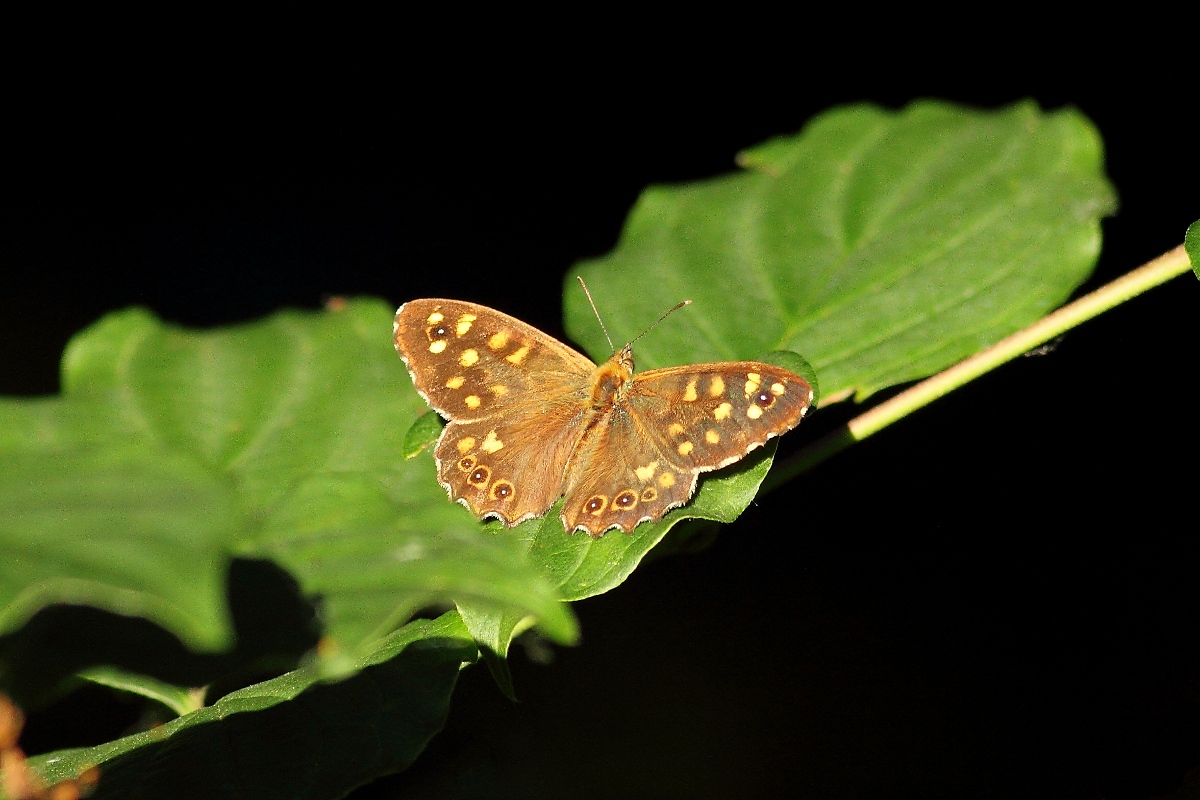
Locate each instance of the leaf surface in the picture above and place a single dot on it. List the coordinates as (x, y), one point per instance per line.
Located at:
(172, 451)
(881, 246)
(292, 736)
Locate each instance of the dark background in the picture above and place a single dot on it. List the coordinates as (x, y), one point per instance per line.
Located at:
(994, 598)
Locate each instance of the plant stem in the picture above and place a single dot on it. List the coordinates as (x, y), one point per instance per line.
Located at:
(1152, 274)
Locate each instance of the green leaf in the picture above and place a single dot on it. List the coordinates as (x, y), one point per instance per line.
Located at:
(291, 736)
(172, 451)
(177, 698)
(882, 246)
(582, 567)
(493, 630)
(1191, 243)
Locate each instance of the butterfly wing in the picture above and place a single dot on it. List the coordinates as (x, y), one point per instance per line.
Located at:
(514, 397)
(643, 459)
(468, 360)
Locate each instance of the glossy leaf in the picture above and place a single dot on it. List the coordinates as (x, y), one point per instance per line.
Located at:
(881, 246)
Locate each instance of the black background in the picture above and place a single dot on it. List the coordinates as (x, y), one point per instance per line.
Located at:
(994, 598)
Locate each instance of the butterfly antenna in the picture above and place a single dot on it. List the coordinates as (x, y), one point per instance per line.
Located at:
(670, 311)
(597, 313)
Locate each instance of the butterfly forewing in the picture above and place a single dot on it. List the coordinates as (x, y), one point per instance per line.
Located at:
(512, 394)
(707, 416)
(469, 361)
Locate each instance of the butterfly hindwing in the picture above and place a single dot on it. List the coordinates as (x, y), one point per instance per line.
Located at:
(510, 465)
(675, 423)
(621, 477)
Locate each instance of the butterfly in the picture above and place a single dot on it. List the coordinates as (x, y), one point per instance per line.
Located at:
(531, 420)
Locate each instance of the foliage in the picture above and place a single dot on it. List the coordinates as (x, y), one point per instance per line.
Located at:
(882, 246)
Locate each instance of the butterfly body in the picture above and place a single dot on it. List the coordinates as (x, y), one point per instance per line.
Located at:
(531, 420)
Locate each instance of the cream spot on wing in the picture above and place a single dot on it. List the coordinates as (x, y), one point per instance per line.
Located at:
(499, 390)
(647, 472)
(675, 429)
(456, 382)
(712, 437)
(753, 379)
(464, 324)
(684, 448)
(472, 401)
(465, 444)
(754, 412)
(437, 346)
(690, 394)
(435, 318)
(491, 444)
(468, 358)
(498, 340)
(777, 389)
(666, 480)
(518, 355)
(722, 411)
(717, 387)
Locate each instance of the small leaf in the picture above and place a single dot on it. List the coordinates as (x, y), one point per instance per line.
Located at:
(422, 433)
(493, 630)
(177, 698)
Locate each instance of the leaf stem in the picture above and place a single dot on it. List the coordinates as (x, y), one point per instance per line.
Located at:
(1154, 273)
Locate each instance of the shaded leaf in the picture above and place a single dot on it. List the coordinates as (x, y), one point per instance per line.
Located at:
(177, 698)
(493, 630)
(291, 736)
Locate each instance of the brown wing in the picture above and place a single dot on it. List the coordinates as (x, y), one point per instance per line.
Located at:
(511, 465)
(644, 457)
(469, 361)
(514, 396)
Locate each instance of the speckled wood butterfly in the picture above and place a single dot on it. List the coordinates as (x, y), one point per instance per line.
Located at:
(531, 420)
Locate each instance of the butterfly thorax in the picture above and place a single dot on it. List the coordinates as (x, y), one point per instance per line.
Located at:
(612, 378)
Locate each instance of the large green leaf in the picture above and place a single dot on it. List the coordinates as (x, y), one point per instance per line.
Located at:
(172, 451)
(881, 246)
(292, 736)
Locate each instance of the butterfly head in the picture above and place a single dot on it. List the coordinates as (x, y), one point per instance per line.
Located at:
(612, 378)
